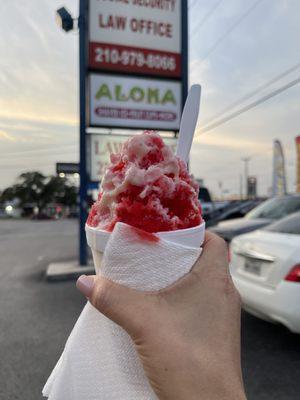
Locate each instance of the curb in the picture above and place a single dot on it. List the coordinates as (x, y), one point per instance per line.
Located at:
(68, 270)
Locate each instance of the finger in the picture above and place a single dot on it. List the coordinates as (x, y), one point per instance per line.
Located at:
(211, 240)
(122, 305)
(214, 254)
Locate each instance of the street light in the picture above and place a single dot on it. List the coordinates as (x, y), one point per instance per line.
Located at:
(64, 19)
(9, 209)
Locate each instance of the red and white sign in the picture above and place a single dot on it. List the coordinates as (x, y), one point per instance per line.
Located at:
(132, 102)
(102, 146)
(136, 36)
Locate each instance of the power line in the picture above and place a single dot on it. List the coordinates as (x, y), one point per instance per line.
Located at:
(27, 157)
(206, 17)
(40, 149)
(21, 166)
(249, 106)
(229, 30)
(252, 93)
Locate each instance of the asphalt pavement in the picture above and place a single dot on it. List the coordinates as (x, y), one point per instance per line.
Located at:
(36, 318)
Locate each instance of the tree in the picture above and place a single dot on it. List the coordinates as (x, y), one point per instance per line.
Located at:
(58, 190)
(8, 194)
(29, 188)
(35, 189)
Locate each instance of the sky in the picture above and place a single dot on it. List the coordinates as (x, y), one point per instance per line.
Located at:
(235, 46)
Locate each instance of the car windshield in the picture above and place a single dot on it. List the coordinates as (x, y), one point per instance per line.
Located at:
(275, 208)
(289, 224)
(204, 195)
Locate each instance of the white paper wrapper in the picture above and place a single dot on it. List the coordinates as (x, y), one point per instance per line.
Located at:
(99, 361)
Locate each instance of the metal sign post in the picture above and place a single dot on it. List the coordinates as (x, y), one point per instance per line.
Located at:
(184, 50)
(82, 23)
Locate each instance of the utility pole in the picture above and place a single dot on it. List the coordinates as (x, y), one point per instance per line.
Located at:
(241, 187)
(246, 173)
(221, 189)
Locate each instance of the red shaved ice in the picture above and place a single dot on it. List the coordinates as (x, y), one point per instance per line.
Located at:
(148, 187)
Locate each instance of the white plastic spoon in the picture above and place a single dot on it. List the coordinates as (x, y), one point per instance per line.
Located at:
(188, 122)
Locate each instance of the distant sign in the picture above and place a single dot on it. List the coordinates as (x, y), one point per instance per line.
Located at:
(279, 175)
(298, 164)
(251, 187)
(136, 36)
(102, 146)
(67, 168)
(131, 102)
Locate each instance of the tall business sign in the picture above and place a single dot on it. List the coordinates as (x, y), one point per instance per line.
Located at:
(135, 50)
(298, 164)
(136, 36)
(130, 102)
(133, 74)
(279, 177)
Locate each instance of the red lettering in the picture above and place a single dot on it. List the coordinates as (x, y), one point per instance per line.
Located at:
(134, 25)
(109, 147)
(117, 147)
(169, 30)
(151, 27)
(96, 147)
(112, 21)
(160, 29)
(120, 22)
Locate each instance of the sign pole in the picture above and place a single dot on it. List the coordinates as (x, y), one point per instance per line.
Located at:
(82, 102)
(184, 51)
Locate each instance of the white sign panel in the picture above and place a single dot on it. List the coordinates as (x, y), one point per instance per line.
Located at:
(102, 146)
(135, 36)
(131, 102)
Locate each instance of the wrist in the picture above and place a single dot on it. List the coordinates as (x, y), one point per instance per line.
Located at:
(221, 388)
(229, 391)
(237, 394)
(209, 393)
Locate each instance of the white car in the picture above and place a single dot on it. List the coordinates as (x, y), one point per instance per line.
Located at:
(265, 267)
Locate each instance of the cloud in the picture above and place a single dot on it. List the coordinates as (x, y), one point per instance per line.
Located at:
(7, 136)
(226, 142)
(33, 118)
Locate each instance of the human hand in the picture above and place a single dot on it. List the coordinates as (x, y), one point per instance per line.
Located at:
(187, 335)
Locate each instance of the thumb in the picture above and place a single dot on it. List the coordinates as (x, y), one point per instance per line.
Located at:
(214, 257)
(123, 305)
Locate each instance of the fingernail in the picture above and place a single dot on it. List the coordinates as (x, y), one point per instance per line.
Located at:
(85, 284)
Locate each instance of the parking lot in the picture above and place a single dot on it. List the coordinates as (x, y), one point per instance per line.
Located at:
(36, 318)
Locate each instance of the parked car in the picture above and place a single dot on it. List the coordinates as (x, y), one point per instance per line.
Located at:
(207, 204)
(265, 266)
(209, 209)
(237, 209)
(262, 215)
